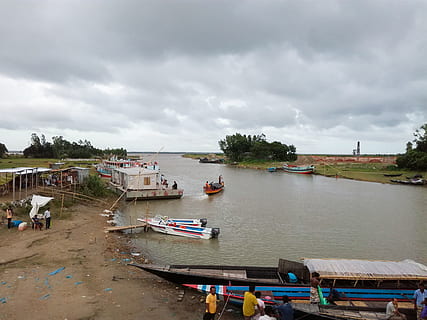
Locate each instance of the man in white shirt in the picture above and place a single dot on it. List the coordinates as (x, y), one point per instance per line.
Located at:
(46, 216)
(392, 311)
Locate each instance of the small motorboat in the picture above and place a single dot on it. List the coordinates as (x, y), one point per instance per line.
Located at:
(189, 222)
(213, 188)
(168, 227)
(272, 169)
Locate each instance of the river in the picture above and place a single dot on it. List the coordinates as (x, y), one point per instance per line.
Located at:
(264, 216)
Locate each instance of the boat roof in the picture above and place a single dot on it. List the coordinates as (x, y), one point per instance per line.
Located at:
(353, 269)
(134, 171)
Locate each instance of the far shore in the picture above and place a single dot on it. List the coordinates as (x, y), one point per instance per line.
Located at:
(347, 167)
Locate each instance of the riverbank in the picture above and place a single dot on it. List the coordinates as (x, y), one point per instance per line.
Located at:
(372, 169)
(77, 271)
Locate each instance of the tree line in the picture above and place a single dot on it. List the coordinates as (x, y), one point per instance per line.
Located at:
(60, 148)
(240, 147)
(415, 157)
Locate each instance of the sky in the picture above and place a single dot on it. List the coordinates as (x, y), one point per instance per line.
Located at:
(180, 75)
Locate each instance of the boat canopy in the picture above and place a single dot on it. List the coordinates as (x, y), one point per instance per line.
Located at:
(353, 269)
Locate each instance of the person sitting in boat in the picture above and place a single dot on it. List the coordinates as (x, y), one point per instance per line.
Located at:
(334, 295)
(175, 185)
(392, 311)
(207, 186)
(292, 278)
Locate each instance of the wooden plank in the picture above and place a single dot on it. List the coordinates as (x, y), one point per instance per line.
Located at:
(120, 228)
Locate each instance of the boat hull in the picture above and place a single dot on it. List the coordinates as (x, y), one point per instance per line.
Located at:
(189, 222)
(183, 230)
(298, 169)
(302, 293)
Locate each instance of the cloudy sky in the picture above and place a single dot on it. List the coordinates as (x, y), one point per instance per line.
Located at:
(182, 74)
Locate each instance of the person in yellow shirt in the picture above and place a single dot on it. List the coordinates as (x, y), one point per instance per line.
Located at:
(210, 304)
(249, 303)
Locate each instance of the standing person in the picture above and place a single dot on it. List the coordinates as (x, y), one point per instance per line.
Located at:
(249, 303)
(314, 284)
(46, 216)
(392, 311)
(419, 296)
(210, 304)
(9, 216)
(423, 315)
(259, 310)
(286, 311)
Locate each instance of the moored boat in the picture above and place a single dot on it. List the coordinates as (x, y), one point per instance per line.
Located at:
(106, 167)
(189, 222)
(349, 308)
(359, 280)
(298, 169)
(183, 230)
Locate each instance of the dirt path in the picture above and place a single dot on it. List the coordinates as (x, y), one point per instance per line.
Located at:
(76, 271)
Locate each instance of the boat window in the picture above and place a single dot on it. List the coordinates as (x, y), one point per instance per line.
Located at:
(147, 181)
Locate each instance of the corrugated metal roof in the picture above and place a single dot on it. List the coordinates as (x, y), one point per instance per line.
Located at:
(21, 170)
(366, 269)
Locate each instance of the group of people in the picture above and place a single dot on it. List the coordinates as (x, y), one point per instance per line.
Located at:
(36, 220)
(254, 307)
(165, 184)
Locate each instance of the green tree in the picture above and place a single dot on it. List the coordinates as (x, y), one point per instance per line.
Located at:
(415, 158)
(238, 147)
(3, 150)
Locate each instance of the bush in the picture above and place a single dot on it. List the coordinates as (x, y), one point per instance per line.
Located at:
(94, 186)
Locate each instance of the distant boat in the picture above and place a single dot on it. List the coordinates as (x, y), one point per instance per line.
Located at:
(272, 169)
(415, 182)
(298, 169)
(392, 174)
(207, 160)
(213, 188)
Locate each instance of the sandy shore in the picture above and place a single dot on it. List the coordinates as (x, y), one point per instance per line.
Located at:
(77, 271)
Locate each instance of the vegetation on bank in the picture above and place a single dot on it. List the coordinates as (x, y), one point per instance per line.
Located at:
(240, 147)
(61, 148)
(415, 158)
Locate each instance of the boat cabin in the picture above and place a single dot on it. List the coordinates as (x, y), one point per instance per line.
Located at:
(136, 178)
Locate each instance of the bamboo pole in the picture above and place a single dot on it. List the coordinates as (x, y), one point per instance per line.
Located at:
(115, 202)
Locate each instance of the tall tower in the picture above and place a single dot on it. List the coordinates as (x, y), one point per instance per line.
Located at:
(358, 148)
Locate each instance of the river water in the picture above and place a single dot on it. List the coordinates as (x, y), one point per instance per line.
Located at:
(265, 216)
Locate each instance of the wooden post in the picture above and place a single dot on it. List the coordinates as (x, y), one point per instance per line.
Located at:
(13, 185)
(62, 204)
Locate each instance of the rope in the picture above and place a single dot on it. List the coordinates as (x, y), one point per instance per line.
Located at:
(225, 304)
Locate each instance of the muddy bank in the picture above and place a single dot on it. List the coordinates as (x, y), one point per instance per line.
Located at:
(77, 271)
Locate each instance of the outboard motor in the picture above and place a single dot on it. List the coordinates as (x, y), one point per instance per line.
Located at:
(215, 232)
(204, 222)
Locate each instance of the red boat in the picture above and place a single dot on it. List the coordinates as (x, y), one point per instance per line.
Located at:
(213, 188)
